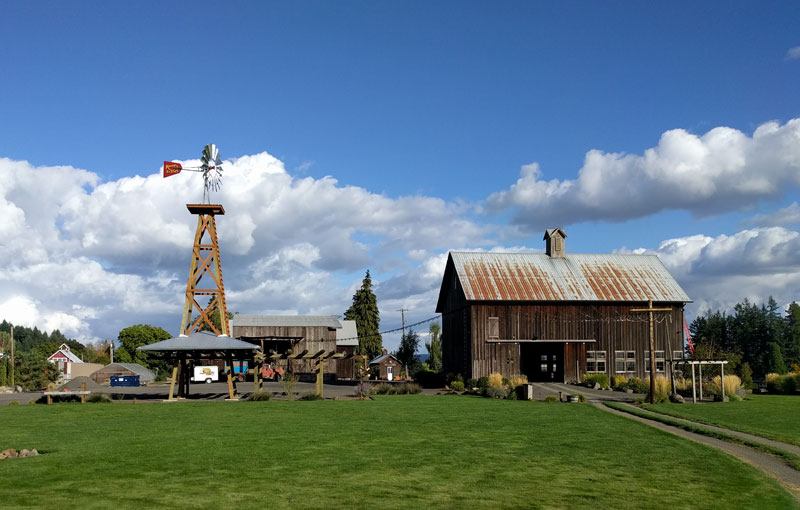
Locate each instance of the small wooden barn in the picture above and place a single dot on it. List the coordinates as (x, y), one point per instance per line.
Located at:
(388, 367)
(555, 316)
(64, 359)
(295, 333)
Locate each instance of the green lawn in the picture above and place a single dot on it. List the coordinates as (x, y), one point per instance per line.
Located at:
(395, 452)
(770, 416)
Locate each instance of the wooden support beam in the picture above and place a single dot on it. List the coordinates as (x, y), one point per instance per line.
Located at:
(320, 369)
(300, 354)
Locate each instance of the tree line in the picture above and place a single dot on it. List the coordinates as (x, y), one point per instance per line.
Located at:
(757, 339)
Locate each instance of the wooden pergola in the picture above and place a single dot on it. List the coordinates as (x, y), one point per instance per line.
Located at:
(700, 363)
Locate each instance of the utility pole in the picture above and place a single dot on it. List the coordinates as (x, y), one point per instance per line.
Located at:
(403, 315)
(650, 309)
(12, 356)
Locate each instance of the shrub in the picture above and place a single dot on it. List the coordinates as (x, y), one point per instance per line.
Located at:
(457, 386)
(429, 379)
(413, 389)
(492, 392)
(483, 382)
(495, 380)
(517, 380)
(581, 397)
(512, 395)
(662, 388)
(382, 389)
(600, 379)
(637, 385)
(471, 383)
(13, 403)
(789, 383)
(774, 383)
(99, 398)
(619, 382)
(638, 400)
(734, 397)
(550, 399)
(311, 395)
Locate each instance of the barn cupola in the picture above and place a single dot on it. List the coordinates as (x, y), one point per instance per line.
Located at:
(554, 238)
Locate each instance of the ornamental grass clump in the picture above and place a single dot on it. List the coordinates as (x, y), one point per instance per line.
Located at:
(731, 384)
(600, 379)
(260, 396)
(517, 380)
(495, 380)
(98, 398)
(662, 388)
(311, 395)
(382, 389)
(551, 399)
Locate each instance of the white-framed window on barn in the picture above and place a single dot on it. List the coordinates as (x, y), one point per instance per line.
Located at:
(493, 328)
(660, 363)
(624, 361)
(677, 354)
(596, 361)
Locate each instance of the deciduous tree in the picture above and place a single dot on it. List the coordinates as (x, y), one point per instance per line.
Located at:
(434, 348)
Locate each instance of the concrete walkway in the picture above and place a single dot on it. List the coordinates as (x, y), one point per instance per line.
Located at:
(771, 466)
(787, 447)
(541, 390)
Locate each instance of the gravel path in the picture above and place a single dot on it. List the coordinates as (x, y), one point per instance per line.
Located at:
(771, 466)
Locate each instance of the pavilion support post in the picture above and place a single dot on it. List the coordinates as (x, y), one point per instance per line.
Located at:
(694, 387)
(722, 381)
(186, 377)
(229, 358)
(83, 392)
(172, 381)
(700, 377)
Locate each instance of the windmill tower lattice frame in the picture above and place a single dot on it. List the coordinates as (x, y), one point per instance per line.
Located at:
(205, 263)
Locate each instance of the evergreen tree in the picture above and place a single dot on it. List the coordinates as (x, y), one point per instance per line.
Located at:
(3, 371)
(364, 311)
(774, 359)
(791, 333)
(434, 348)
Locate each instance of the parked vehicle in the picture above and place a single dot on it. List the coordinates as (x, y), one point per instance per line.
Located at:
(206, 374)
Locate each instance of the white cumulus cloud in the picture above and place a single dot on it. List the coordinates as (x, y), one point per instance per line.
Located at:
(721, 171)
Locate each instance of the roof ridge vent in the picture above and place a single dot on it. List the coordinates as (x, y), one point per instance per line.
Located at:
(555, 246)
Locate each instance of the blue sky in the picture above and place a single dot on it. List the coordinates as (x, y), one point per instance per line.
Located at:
(445, 101)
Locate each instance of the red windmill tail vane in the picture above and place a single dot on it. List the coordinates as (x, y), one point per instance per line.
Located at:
(171, 168)
(688, 336)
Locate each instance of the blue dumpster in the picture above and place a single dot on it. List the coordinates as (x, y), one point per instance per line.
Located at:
(124, 380)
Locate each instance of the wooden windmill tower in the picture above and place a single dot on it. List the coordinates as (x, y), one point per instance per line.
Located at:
(206, 266)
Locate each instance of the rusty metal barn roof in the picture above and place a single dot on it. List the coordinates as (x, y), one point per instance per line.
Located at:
(575, 277)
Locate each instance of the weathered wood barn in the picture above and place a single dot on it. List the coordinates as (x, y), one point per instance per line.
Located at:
(295, 333)
(555, 316)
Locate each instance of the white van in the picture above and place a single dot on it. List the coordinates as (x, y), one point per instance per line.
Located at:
(206, 374)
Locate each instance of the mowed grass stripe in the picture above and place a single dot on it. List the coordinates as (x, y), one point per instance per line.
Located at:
(394, 452)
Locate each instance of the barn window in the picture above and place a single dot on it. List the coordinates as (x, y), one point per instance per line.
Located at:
(659, 361)
(625, 361)
(595, 361)
(677, 354)
(493, 328)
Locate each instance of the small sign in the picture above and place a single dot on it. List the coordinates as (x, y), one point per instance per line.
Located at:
(171, 168)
